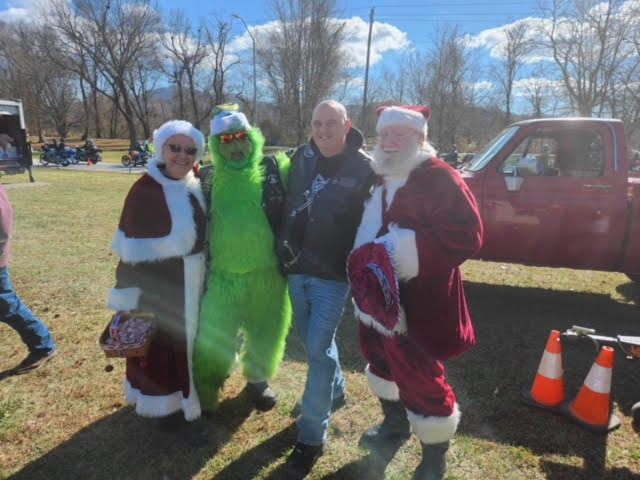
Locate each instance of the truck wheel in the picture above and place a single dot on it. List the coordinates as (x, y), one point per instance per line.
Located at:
(636, 278)
(126, 160)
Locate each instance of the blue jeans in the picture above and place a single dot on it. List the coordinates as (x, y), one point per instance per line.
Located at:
(14, 313)
(317, 311)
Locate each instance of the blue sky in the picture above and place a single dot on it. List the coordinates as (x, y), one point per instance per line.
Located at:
(399, 28)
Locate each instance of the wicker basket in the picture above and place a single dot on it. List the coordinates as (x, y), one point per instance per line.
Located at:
(128, 334)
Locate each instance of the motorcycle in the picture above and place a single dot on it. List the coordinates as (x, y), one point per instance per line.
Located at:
(135, 157)
(88, 154)
(50, 153)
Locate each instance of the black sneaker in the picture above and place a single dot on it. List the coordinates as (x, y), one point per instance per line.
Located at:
(302, 459)
(34, 360)
(262, 395)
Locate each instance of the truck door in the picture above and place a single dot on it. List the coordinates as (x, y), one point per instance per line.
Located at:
(556, 198)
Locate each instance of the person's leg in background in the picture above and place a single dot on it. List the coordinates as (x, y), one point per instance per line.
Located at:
(34, 334)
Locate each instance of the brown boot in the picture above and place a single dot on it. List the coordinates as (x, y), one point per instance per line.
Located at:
(434, 462)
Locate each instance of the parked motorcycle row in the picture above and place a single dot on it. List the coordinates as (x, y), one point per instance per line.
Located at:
(65, 155)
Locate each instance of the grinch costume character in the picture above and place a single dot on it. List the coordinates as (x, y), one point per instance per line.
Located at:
(246, 292)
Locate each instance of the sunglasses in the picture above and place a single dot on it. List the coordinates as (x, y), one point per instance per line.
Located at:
(230, 137)
(179, 148)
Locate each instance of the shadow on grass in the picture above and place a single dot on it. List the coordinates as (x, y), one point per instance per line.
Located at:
(126, 446)
(253, 461)
(512, 326)
(371, 466)
(630, 291)
(555, 471)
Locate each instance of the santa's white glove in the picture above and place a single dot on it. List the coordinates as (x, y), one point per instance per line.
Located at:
(403, 251)
(387, 241)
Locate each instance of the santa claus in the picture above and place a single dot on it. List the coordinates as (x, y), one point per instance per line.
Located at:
(420, 223)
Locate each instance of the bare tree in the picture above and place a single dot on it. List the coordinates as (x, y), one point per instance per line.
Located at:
(116, 35)
(586, 39)
(218, 39)
(512, 53)
(441, 78)
(302, 59)
(46, 87)
(197, 64)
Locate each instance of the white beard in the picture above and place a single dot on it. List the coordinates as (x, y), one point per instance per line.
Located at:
(398, 164)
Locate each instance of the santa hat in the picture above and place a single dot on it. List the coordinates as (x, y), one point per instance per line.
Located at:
(177, 127)
(229, 120)
(374, 287)
(412, 116)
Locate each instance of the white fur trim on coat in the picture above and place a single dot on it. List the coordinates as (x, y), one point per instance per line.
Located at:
(381, 388)
(162, 405)
(124, 298)
(405, 252)
(157, 405)
(181, 238)
(194, 274)
(369, 321)
(433, 429)
(177, 127)
(371, 219)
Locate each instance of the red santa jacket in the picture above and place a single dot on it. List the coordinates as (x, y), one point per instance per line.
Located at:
(430, 223)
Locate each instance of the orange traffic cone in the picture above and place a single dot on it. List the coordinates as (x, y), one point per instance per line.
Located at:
(547, 390)
(591, 407)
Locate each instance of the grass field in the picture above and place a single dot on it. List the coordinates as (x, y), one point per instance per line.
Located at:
(68, 419)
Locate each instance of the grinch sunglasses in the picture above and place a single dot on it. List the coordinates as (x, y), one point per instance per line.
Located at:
(230, 137)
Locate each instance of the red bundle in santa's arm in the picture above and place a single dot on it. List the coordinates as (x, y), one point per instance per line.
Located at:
(374, 286)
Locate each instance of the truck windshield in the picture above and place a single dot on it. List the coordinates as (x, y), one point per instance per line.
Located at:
(481, 160)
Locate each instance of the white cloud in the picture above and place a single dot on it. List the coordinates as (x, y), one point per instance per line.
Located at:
(385, 38)
(24, 10)
(483, 86)
(494, 39)
(524, 86)
(16, 11)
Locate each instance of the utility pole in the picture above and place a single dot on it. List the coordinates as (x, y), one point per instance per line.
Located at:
(253, 40)
(366, 72)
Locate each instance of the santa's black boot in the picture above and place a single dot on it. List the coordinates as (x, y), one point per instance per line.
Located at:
(434, 462)
(392, 432)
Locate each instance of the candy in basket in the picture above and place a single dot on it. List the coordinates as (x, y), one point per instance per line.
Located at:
(128, 334)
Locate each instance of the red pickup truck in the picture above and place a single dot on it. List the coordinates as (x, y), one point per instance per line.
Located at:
(557, 193)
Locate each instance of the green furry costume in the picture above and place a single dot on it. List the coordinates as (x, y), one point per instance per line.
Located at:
(246, 293)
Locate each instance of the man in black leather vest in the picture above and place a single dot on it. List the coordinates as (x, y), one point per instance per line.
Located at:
(330, 178)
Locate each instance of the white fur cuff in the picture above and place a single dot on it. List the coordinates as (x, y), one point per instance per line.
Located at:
(433, 429)
(381, 388)
(369, 321)
(124, 298)
(405, 252)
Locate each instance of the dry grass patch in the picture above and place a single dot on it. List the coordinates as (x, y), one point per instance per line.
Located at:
(68, 420)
